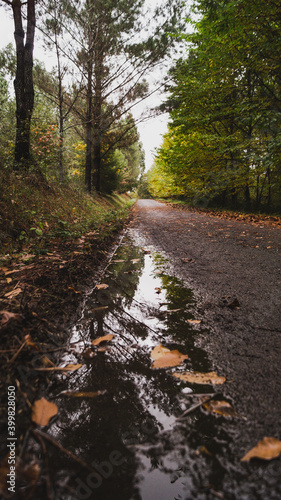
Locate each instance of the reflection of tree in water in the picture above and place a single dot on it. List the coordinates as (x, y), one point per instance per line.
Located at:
(126, 417)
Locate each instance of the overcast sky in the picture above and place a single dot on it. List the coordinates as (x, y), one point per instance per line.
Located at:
(150, 132)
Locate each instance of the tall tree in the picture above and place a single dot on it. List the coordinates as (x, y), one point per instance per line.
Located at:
(114, 63)
(23, 82)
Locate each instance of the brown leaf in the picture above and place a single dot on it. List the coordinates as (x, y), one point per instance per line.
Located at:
(13, 293)
(101, 308)
(194, 321)
(73, 289)
(6, 316)
(43, 411)
(102, 286)
(164, 358)
(266, 449)
(67, 368)
(116, 261)
(105, 338)
(158, 290)
(78, 394)
(200, 378)
(220, 408)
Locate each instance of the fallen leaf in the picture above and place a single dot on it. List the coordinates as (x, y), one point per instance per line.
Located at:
(8, 280)
(187, 260)
(67, 368)
(266, 449)
(78, 394)
(117, 261)
(159, 351)
(13, 293)
(134, 261)
(73, 289)
(6, 316)
(43, 411)
(220, 408)
(158, 290)
(105, 338)
(164, 358)
(194, 321)
(200, 378)
(102, 286)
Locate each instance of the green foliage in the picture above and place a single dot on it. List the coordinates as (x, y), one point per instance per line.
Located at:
(34, 212)
(224, 139)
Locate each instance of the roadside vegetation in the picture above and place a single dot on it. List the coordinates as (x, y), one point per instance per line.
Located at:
(223, 143)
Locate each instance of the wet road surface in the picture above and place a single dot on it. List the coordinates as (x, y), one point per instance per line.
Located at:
(146, 435)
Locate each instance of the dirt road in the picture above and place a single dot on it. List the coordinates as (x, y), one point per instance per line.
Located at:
(234, 269)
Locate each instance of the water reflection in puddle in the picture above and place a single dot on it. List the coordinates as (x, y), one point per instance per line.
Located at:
(130, 434)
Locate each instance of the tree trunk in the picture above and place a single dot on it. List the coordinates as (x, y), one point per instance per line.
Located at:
(97, 119)
(23, 83)
(89, 127)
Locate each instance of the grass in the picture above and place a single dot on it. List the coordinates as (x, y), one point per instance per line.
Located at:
(33, 213)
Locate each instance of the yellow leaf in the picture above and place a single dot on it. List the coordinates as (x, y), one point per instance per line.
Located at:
(102, 286)
(164, 358)
(106, 338)
(266, 449)
(200, 378)
(43, 411)
(220, 408)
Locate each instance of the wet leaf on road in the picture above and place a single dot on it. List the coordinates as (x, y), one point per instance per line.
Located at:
(43, 411)
(164, 358)
(102, 286)
(220, 408)
(105, 338)
(266, 449)
(200, 378)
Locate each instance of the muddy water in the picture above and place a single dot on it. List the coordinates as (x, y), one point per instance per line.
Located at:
(132, 434)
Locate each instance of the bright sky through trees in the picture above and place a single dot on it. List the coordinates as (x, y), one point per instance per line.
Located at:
(150, 131)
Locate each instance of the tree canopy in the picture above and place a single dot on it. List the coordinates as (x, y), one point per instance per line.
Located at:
(224, 136)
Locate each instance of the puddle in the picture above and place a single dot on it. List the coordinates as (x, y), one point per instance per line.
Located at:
(130, 434)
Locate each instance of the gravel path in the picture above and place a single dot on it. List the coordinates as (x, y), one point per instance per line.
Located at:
(228, 262)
